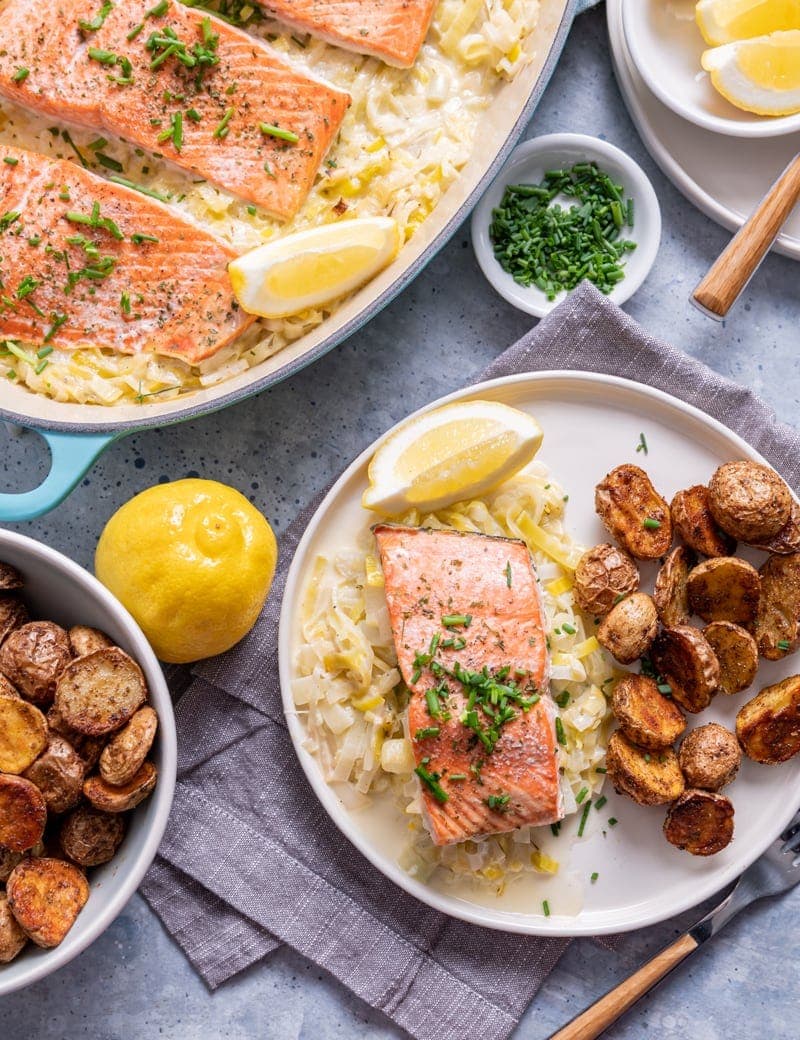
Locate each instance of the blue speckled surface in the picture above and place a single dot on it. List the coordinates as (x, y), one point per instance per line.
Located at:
(279, 449)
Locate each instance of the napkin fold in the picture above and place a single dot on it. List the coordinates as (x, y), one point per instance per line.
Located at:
(250, 859)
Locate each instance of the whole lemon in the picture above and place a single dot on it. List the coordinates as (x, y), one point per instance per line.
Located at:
(193, 562)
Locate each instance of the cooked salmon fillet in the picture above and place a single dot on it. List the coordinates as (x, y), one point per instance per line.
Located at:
(85, 261)
(209, 97)
(468, 626)
(392, 30)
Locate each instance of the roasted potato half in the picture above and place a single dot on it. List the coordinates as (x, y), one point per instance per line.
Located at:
(634, 513)
(683, 656)
(33, 657)
(725, 589)
(700, 822)
(768, 726)
(12, 937)
(630, 628)
(126, 751)
(670, 595)
(89, 748)
(58, 773)
(710, 757)
(23, 734)
(13, 614)
(98, 693)
(692, 519)
(645, 716)
(90, 837)
(23, 813)
(648, 777)
(787, 540)
(749, 501)
(46, 895)
(605, 575)
(85, 640)
(113, 799)
(777, 628)
(737, 653)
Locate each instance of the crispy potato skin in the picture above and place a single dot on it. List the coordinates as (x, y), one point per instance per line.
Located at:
(694, 523)
(58, 773)
(630, 628)
(126, 751)
(737, 653)
(23, 734)
(670, 595)
(649, 778)
(749, 501)
(13, 614)
(10, 578)
(12, 937)
(710, 757)
(725, 589)
(33, 657)
(778, 619)
(84, 640)
(23, 813)
(120, 799)
(88, 748)
(787, 540)
(700, 822)
(684, 658)
(605, 574)
(46, 895)
(768, 726)
(645, 716)
(624, 500)
(90, 837)
(98, 693)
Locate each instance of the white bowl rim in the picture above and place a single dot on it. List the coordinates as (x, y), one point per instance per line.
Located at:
(161, 800)
(640, 189)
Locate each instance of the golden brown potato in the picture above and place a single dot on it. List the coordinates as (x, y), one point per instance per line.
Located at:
(23, 813)
(10, 578)
(23, 734)
(59, 774)
(634, 513)
(777, 628)
(85, 640)
(700, 822)
(684, 658)
(787, 540)
(648, 777)
(90, 837)
(737, 653)
(768, 726)
(630, 628)
(33, 657)
(724, 589)
(98, 693)
(710, 757)
(88, 748)
(127, 749)
(694, 523)
(749, 501)
(46, 895)
(12, 937)
(13, 614)
(645, 716)
(669, 595)
(604, 576)
(120, 799)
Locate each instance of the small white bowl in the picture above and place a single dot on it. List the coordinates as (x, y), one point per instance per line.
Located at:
(59, 590)
(527, 165)
(665, 45)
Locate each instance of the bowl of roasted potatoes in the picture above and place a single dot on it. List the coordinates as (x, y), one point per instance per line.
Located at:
(87, 759)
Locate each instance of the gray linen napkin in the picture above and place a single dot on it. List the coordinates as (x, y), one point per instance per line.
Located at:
(250, 859)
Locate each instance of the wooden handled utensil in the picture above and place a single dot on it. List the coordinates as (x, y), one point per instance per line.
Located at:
(724, 283)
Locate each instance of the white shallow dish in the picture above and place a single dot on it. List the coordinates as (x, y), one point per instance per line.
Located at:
(527, 165)
(591, 424)
(666, 46)
(59, 590)
(724, 177)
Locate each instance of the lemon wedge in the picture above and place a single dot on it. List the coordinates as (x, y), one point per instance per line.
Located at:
(313, 267)
(761, 75)
(725, 21)
(458, 451)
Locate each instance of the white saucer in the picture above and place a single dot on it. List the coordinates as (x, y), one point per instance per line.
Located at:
(725, 177)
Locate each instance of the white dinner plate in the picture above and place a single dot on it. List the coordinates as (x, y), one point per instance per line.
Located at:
(724, 177)
(591, 424)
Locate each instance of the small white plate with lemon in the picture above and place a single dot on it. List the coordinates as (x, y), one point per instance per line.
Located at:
(619, 874)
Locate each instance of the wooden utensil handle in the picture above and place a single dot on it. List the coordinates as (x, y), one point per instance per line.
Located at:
(720, 288)
(607, 1009)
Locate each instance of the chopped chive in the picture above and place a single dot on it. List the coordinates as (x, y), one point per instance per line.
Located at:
(546, 908)
(642, 445)
(41, 367)
(276, 131)
(252, 210)
(508, 573)
(601, 769)
(223, 129)
(10, 161)
(594, 876)
(581, 795)
(109, 163)
(125, 303)
(21, 75)
(562, 700)
(44, 352)
(160, 9)
(98, 144)
(556, 829)
(647, 756)
(664, 688)
(560, 734)
(457, 776)
(431, 780)
(57, 321)
(268, 169)
(138, 187)
(427, 731)
(138, 238)
(97, 22)
(194, 115)
(569, 629)
(498, 802)
(457, 620)
(134, 32)
(783, 644)
(601, 801)
(584, 818)
(612, 821)
(651, 524)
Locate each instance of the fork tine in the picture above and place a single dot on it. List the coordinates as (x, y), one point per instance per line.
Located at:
(791, 836)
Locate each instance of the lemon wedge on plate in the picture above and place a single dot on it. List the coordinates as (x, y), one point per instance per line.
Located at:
(458, 451)
(761, 75)
(725, 21)
(313, 267)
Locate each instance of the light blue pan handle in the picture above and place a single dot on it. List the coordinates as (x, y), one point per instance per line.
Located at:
(72, 455)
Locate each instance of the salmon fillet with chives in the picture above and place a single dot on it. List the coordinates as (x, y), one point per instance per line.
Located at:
(202, 93)
(392, 30)
(469, 629)
(84, 261)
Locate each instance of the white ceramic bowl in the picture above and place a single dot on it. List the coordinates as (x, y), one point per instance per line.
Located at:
(665, 45)
(59, 590)
(527, 165)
